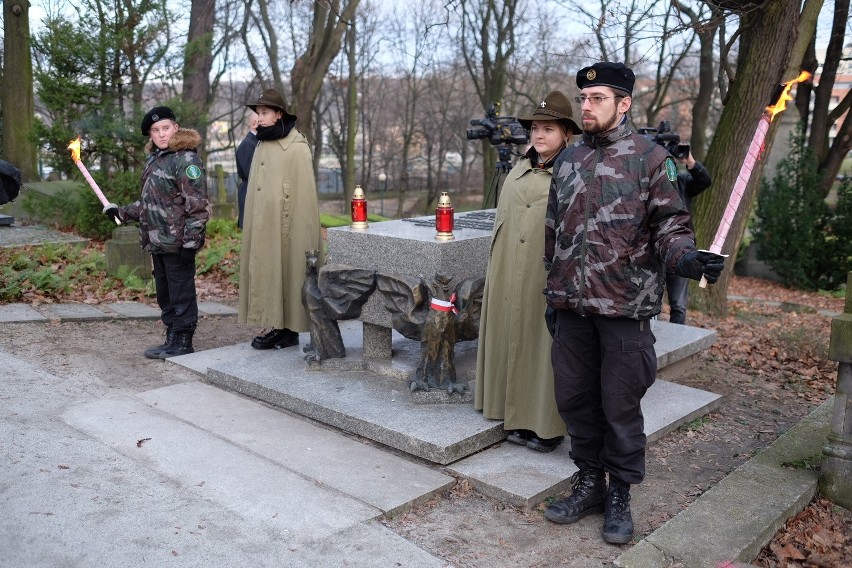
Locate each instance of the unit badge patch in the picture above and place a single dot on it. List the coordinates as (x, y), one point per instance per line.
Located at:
(671, 169)
(193, 172)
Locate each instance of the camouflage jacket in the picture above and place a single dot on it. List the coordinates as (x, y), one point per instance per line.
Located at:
(614, 217)
(173, 210)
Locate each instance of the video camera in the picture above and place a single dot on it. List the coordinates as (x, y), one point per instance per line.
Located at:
(498, 129)
(669, 140)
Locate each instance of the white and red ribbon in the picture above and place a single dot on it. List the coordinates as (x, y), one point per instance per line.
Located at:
(445, 306)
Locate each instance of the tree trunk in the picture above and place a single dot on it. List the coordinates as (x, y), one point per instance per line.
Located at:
(706, 86)
(763, 62)
(197, 62)
(329, 23)
(830, 157)
(16, 92)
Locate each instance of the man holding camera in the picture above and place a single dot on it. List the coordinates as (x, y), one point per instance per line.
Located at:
(690, 183)
(614, 216)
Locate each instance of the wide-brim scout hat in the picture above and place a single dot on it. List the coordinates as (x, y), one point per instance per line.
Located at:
(607, 74)
(272, 99)
(555, 106)
(155, 115)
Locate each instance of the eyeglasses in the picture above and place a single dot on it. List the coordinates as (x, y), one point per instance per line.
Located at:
(595, 99)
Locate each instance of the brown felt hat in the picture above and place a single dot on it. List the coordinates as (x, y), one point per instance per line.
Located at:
(272, 99)
(555, 106)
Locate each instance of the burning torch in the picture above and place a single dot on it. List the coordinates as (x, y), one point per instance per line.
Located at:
(755, 151)
(74, 146)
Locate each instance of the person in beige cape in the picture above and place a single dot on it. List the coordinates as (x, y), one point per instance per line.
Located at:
(280, 223)
(514, 377)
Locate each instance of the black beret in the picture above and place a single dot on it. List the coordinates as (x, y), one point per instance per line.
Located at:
(156, 114)
(607, 74)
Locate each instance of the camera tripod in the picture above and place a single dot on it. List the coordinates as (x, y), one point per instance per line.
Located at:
(501, 168)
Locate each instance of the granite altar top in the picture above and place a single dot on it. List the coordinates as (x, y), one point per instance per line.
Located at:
(470, 225)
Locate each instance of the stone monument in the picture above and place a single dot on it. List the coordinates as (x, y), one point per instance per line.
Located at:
(835, 480)
(409, 247)
(123, 249)
(221, 207)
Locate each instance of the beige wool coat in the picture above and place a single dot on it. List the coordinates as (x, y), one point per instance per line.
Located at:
(514, 376)
(281, 222)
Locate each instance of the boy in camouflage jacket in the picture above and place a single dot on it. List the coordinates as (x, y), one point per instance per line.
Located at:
(172, 214)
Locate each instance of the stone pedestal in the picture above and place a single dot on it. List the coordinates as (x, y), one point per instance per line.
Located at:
(835, 480)
(221, 208)
(409, 247)
(123, 249)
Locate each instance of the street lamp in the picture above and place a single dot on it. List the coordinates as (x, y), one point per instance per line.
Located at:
(383, 178)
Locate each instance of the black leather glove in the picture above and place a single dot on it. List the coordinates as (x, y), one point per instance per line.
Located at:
(187, 256)
(550, 320)
(699, 263)
(111, 211)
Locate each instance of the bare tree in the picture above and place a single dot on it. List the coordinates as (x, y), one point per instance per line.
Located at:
(328, 22)
(704, 23)
(830, 156)
(761, 64)
(439, 126)
(488, 43)
(414, 48)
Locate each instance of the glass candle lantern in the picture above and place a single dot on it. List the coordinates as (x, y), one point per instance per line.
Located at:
(444, 218)
(359, 209)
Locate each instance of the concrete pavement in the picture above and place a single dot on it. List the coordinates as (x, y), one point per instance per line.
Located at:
(192, 475)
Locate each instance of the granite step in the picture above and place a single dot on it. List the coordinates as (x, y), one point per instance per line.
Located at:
(377, 405)
(317, 490)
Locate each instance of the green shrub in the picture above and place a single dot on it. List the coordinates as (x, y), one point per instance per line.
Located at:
(121, 188)
(806, 242)
(80, 210)
(221, 252)
(50, 270)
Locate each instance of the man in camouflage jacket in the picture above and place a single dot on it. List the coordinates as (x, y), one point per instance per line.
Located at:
(172, 214)
(614, 218)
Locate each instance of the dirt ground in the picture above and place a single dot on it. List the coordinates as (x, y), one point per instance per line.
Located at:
(769, 363)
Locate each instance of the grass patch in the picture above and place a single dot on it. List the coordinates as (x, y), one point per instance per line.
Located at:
(697, 424)
(328, 220)
(811, 463)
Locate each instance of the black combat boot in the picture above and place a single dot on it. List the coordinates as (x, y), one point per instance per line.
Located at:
(276, 339)
(618, 522)
(181, 346)
(589, 487)
(154, 352)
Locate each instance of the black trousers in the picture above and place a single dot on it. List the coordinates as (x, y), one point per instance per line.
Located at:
(602, 368)
(175, 283)
(677, 288)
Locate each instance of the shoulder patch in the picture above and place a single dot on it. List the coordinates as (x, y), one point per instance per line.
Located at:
(193, 172)
(671, 169)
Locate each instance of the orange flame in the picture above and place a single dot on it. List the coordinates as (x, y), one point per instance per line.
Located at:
(785, 97)
(74, 146)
